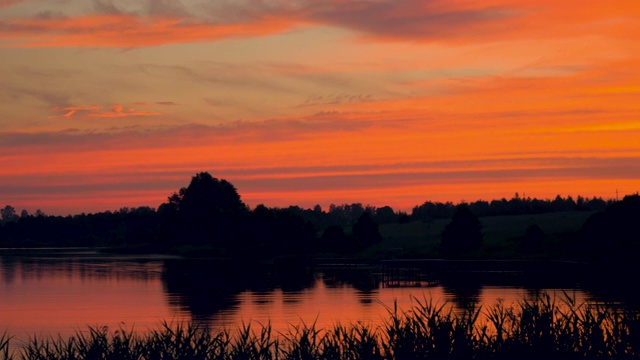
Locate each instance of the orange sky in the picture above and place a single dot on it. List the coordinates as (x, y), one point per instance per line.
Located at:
(112, 103)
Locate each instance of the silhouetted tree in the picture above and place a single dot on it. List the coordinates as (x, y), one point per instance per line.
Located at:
(365, 230)
(128, 226)
(208, 211)
(403, 218)
(532, 239)
(613, 234)
(430, 210)
(610, 242)
(518, 205)
(347, 214)
(463, 233)
(561, 204)
(278, 232)
(385, 215)
(206, 196)
(334, 240)
(8, 213)
(480, 208)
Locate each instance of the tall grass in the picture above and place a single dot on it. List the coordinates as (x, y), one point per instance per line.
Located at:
(538, 328)
(4, 346)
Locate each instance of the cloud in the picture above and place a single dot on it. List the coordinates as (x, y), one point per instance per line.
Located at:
(106, 7)
(493, 20)
(69, 111)
(164, 22)
(50, 97)
(314, 100)
(125, 30)
(330, 157)
(415, 19)
(154, 23)
(117, 111)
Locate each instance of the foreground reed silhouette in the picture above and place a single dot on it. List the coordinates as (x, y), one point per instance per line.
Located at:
(539, 328)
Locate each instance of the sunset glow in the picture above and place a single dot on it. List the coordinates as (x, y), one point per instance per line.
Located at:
(110, 104)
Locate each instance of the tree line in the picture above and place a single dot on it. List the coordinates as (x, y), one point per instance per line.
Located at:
(209, 217)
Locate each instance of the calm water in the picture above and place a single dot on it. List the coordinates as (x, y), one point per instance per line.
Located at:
(51, 292)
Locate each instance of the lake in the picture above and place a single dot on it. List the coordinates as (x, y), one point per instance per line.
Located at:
(50, 292)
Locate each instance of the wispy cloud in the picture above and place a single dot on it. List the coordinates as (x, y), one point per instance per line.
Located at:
(125, 30)
(117, 111)
(69, 111)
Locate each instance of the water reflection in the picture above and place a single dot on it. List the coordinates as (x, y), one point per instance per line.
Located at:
(39, 265)
(462, 289)
(56, 292)
(205, 287)
(51, 292)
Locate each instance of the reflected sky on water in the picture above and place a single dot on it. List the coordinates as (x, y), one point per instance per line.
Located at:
(61, 292)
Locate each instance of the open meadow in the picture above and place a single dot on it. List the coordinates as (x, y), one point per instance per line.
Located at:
(421, 239)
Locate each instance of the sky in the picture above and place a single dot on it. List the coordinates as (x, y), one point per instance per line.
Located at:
(107, 104)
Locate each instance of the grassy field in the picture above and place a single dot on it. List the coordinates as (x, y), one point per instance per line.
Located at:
(501, 234)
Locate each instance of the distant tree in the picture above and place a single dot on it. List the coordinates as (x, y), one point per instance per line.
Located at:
(334, 240)
(597, 204)
(365, 230)
(385, 215)
(463, 233)
(499, 207)
(278, 231)
(403, 218)
(560, 204)
(480, 208)
(8, 213)
(532, 239)
(430, 210)
(347, 214)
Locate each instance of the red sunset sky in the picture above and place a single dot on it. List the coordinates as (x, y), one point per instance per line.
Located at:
(113, 103)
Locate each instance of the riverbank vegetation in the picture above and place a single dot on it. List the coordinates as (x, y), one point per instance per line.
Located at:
(541, 327)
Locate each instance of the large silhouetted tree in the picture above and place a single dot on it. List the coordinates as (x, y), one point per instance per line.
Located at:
(613, 233)
(208, 211)
(463, 233)
(206, 196)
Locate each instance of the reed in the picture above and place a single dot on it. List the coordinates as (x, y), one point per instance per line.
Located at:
(4, 346)
(544, 327)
